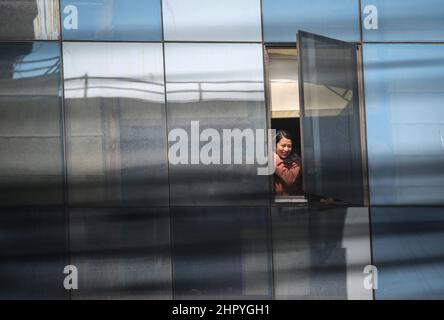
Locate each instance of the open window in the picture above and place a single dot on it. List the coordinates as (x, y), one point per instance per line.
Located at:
(332, 119)
(283, 101)
(314, 94)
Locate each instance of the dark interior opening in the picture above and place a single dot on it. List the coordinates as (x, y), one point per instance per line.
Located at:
(293, 126)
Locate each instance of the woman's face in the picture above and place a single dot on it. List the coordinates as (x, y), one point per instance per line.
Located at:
(283, 148)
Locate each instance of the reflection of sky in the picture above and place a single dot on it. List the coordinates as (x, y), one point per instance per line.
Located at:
(212, 20)
(404, 91)
(132, 70)
(44, 59)
(214, 72)
(407, 20)
(335, 19)
(115, 19)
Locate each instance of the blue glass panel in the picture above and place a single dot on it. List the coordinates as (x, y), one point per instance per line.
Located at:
(335, 19)
(404, 90)
(403, 20)
(136, 20)
(408, 252)
(215, 20)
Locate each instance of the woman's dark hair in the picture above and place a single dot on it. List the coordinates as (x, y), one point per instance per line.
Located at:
(292, 157)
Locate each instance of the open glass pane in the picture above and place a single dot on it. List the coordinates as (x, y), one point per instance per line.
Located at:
(332, 161)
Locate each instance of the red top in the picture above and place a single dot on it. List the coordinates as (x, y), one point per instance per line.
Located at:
(285, 178)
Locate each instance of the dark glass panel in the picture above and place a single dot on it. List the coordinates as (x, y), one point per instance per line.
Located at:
(121, 253)
(33, 253)
(221, 253)
(332, 160)
(31, 162)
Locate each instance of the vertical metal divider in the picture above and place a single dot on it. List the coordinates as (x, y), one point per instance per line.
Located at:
(302, 113)
(364, 152)
(170, 220)
(361, 34)
(267, 111)
(364, 146)
(64, 144)
(362, 127)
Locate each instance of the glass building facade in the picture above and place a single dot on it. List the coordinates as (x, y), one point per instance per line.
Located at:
(90, 92)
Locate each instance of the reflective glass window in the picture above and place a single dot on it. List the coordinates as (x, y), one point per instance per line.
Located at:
(216, 87)
(407, 249)
(135, 20)
(319, 253)
(404, 90)
(33, 251)
(116, 136)
(335, 19)
(215, 20)
(29, 19)
(403, 20)
(220, 253)
(121, 253)
(31, 163)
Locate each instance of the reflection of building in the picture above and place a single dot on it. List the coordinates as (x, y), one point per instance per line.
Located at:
(29, 19)
(46, 22)
(84, 119)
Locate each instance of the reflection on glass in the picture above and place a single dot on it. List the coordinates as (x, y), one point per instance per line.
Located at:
(332, 149)
(136, 20)
(29, 20)
(220, 86)
(220, 253)
(408, 251)
(319, 253)
(336, 19)
(116, 146)
(215, 20)
(403, 20)
(404, 90)
(33, 253)
(31, 164)
(121, 253)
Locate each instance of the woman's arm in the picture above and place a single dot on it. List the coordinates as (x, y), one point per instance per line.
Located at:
(288, 175)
